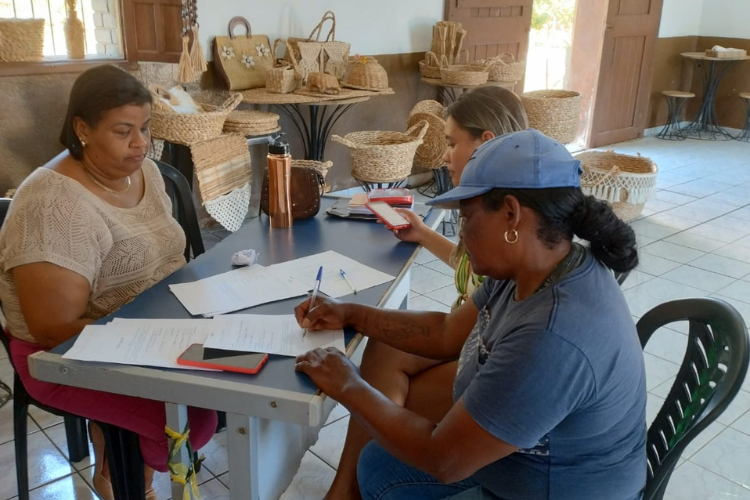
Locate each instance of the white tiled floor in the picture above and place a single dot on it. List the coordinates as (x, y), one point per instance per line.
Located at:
(695, 242)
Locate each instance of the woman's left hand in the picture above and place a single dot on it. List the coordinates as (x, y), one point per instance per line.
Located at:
(330, 370)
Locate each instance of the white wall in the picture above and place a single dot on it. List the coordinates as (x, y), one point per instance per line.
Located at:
(726, 18)
(371, 27)
(681, 17)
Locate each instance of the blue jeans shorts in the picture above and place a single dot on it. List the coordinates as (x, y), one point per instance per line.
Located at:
(383, 477)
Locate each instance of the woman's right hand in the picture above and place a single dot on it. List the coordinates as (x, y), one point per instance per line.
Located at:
(416, 232)
(327, 314)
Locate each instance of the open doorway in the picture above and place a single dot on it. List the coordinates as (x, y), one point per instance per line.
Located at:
(550, 45)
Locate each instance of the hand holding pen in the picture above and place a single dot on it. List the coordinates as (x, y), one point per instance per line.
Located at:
(316, 289)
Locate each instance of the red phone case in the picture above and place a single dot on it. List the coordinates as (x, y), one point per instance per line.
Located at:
(383, 220)
(216, 366)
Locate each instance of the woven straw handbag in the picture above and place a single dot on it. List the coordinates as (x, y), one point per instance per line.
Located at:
(282, 78)
(242, 61)
(625, 182)
(379, 156)
(186, 128)
(555, 113)
(335, 53)
(21, 40)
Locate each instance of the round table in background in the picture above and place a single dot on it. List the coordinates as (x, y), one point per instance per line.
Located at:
(447, 91)
(705, 125)
(315, 124)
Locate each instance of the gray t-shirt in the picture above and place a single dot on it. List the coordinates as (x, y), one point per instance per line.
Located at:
(560, 375)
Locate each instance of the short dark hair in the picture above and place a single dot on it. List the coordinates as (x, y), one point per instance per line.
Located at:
(496, 109)
(94, 92)
(565, 212)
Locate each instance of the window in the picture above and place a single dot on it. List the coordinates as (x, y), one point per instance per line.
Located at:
(100, 18)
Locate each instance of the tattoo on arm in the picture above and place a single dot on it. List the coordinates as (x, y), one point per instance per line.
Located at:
(401, 328)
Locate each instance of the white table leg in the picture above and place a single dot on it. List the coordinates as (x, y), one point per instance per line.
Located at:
(242, 450)
(176, 420)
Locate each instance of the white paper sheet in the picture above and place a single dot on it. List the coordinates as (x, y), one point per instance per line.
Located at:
(238, 289)
(274, 334)
(332, 284)
(255, 285)
(140, 342)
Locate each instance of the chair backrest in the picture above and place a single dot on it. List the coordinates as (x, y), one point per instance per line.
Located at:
(183, 208)
(621, 277)
(4, 206)
(709, 378)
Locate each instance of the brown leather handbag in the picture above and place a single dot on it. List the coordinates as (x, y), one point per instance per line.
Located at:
(306, 186)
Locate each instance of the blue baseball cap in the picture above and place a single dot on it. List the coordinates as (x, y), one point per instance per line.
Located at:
(520, 160)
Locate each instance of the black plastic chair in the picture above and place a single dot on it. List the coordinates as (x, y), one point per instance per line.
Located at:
(183, 208)
(710, 376)
(75, 426)
(621, 277)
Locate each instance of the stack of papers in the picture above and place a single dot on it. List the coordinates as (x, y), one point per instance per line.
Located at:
(255, 285)
(149, 342)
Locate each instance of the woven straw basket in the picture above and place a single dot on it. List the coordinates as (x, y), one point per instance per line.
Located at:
(366, 73)
(382, 156)
(505, 68)
(430, 67)
(21, 40)
(432, 150)
(464, 74)
(321, 166)
(625, 182)
(185, 128)
(555, 113)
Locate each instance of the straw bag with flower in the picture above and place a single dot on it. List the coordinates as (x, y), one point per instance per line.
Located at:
(242, 61)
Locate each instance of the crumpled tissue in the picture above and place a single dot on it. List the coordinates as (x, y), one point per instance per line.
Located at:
(245, 258)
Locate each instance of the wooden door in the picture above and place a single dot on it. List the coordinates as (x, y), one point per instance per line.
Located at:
(153, 30)
(626, 69)
(493, 27)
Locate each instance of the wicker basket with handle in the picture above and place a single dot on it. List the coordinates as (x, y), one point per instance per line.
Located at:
(430, 67)
(555, 113)
(379, 156)
(467, 75)
(186, 128)
(625, 182)
(21, 40)
(432, 150)
(282, 78)
(505, 68)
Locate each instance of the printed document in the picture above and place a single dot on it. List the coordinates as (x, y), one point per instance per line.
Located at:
(274, 334)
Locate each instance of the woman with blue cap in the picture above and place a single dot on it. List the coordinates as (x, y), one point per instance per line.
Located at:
(549, 396)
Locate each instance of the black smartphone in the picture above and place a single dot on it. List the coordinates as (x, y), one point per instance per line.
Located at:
(220, 359)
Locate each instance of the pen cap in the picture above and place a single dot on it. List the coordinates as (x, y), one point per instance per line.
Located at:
(279, 146)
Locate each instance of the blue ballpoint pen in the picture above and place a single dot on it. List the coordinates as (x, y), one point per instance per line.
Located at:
(314, 294)
(343, 275)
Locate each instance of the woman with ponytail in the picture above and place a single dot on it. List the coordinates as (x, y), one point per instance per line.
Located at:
(549, 396)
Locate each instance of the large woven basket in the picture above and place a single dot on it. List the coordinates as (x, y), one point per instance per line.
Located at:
(21, 40)
(625, 182)
(432, 150)
(365, 73)
(186, 128)
(382, 156)
(505, 68)
(555, 113)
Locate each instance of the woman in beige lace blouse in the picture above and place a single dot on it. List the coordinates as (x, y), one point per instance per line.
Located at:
(85, 234)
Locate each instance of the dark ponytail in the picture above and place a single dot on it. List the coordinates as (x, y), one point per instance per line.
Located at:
(612, 241)
(565, 212)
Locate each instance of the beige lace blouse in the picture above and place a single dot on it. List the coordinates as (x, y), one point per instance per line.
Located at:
(120, 251)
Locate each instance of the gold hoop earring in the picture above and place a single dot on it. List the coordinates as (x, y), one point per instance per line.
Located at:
(515, 234)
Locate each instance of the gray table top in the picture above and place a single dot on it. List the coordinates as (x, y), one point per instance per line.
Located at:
(367, 242)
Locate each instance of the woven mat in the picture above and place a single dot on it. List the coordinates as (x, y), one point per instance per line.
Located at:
(385, 91)
(262, 96)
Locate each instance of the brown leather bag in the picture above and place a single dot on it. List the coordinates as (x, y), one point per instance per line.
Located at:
(306, 186)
